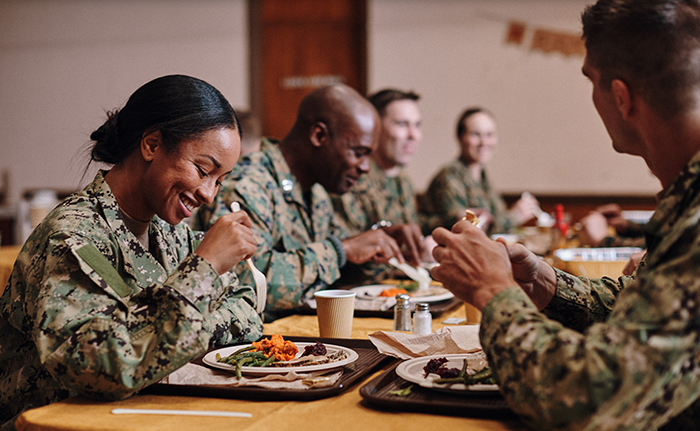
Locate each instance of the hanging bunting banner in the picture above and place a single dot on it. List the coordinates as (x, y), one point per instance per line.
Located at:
(516, 33)
(555, 41)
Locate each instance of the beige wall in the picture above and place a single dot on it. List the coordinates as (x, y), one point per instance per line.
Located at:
(63, 62)
(452, 53)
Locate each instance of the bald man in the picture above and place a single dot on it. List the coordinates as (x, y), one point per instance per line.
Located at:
(284, 188)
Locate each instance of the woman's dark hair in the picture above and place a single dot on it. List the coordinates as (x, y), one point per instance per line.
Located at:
(461, 128)
(180, 107)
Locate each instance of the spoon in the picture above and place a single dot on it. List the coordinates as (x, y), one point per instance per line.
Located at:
(259, 277)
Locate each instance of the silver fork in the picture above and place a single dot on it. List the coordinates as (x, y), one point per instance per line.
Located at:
(258, 277)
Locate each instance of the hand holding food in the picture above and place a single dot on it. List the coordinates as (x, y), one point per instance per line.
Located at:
(471, 217)
(229, 241)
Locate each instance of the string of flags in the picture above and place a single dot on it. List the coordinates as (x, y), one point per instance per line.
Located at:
(545, 40)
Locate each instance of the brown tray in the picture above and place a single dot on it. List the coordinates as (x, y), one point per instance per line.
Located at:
(369, 359)
(376, 394)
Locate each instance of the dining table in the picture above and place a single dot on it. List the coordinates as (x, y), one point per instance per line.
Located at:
(347, 410)
(8, 255)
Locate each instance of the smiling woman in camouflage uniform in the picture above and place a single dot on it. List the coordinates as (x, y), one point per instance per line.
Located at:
(111, 292)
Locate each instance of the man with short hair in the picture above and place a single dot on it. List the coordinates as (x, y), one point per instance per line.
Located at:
(607, 354)
(284, 188)
(384, 197)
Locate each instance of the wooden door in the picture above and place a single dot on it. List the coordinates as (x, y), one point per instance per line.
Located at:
(299, 45)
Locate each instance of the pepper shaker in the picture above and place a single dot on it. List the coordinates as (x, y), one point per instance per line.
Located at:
(422, 320)
(402, 313)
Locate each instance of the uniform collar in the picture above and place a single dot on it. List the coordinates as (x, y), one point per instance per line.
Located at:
(138, 262)
(673, 201)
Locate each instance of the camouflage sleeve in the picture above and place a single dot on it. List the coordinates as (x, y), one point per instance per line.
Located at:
(108, 346)
(230, 315)
(351, 215)
(294, 268)
(449, 197)
(579, 301)
(635, 370)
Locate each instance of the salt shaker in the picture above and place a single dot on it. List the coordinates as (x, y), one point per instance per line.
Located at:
(402, 313)
(422, 320)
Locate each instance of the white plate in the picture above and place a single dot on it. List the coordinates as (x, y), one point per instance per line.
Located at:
(412, 371)
(433, 293)
(210, 359)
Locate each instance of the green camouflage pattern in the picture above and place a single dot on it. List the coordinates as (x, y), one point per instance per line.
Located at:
(293, 246)
(627, 356)
(64, 331)
(453, 190)
(376, 197)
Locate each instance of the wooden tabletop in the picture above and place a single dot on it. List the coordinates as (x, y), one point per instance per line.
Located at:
(345, 411)
(8, 254)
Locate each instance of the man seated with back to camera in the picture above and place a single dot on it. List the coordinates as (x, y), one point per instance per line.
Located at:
(607, 354)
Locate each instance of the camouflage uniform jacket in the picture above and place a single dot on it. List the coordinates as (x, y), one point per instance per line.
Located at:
(453, 190)
(376, 197)
(72, 323)
(628, 354)
(295, 249)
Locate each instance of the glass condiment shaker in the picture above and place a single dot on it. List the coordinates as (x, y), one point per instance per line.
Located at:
(422, 320)
(402, 313)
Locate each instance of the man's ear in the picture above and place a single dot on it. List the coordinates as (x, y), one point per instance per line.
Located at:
(318, 135)
(622, 97)
(149, 143)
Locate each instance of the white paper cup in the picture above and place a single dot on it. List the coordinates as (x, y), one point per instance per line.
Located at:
(335, 309)
(473, 314)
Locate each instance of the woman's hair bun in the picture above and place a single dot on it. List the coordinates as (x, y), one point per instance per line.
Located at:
(106, 148)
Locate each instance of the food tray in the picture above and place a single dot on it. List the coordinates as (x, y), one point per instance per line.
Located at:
(369, 360)
(480, 404)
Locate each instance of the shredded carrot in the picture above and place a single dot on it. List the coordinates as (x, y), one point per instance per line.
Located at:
(284, 350)
(392, 292)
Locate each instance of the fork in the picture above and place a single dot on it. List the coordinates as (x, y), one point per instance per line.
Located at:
(258, 277)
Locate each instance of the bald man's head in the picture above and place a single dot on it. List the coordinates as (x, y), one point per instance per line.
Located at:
(342, 128)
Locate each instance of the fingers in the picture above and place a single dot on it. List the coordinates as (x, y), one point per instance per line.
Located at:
(390, 248)
(439, 234)
(610, 210)
(239, 217)
(372, 246)
(412, 244)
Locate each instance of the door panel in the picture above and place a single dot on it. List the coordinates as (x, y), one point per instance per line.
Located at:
(303, 45)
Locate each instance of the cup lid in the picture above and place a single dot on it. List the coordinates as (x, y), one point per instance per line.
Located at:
(334, 294)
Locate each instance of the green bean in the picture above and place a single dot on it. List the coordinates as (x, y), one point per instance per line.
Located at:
(244, 349)
(254, 355)
(239, 364)
(246, 357)
(463, 371)
(268, 361)
(244, 360)
(484, 376)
